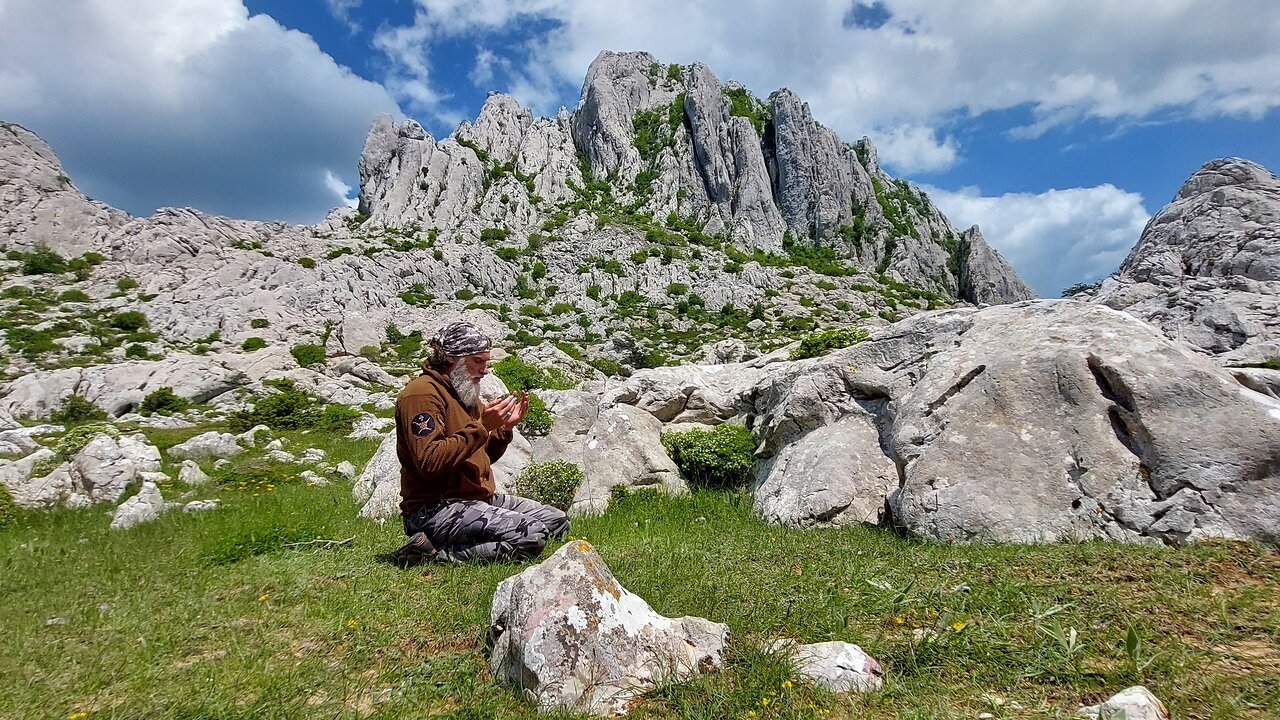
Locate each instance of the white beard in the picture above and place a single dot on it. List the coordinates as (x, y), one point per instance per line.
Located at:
(467, 387)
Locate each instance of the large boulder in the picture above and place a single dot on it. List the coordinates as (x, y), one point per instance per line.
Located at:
(103, 470)
(1037, 421)
(571, 637)
(210, 445)
(378, 487)
(120, 387)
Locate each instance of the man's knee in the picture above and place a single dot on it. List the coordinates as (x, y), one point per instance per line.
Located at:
(557, 523)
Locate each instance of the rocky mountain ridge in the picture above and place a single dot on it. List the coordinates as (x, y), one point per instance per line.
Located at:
(1206, 269)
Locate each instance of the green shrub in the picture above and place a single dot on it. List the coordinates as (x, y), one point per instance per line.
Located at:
(718, 458)
(292, 409)
(493, 234)
(593, 292)
(75, 409)
(258, 323)
(307, 262)
(253, 343)
(73, 296)
(136, 351)
(517, 374)
(818, 343)
(550, 483)
(93, 258)
(31, 343)
(16, 292)
(308, 354)
(609, 367)
(163, 401)
(509, 254)
(538, 420)
(129, 321)
(465, 294)
(70, 444)
(125, 284)
(43, 261)
(676, 289)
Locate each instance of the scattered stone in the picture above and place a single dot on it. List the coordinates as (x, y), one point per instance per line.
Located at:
(1134, 703)
(370, 427)
(568, 634)
(313, 478)
(254, 435)
(55, 621)
(207, 446)
(221, 463)
(835, 666)
(313, 455)
(191, 474)
(282, 456)
(143, 507)
(345, 470)
(277, 444)
(200, 505)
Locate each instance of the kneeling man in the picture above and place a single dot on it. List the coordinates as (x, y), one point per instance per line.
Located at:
(446, 438)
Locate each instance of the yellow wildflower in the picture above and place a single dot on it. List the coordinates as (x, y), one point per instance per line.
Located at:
(786, 684)
(764, 702)
(351, 623)
(751, 713)
(899, 620)
(263, 596)
(957, 626)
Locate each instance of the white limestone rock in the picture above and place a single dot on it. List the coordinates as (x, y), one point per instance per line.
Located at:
(378, 488)
(836, 666)
(345, 470)
(191, 474)
(1134, 703)
(207, 446)
(146, 506)
(572, 638)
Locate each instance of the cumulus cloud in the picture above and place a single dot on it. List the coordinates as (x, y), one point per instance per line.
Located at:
(1056, 238)
(871, 67)
(185, 102)
(341, 11)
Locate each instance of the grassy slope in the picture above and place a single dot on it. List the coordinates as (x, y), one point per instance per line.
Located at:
(209, 616)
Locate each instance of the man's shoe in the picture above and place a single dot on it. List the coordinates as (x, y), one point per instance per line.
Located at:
(417, 551)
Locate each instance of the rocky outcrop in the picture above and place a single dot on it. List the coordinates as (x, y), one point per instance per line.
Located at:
(1031, 422)
(985, 277)
(570, 637)
(1206, 269)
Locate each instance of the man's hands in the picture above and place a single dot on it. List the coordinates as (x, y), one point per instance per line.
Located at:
(505, 413)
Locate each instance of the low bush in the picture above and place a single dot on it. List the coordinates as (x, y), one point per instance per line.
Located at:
(43, 261)
(517, 374)
(9, 510)
(292, 409)
(259, 323)
(126, 283)
(129, 321)
(253, 343)
(538, 420)
(308, 354)
(307, 262)
(550, 483)
(718, 458)
(75, 409)
(73, 296)
(164, 402)
(818, 343)
(136, 351)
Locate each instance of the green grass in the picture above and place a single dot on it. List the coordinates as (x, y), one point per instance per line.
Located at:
(211, 615)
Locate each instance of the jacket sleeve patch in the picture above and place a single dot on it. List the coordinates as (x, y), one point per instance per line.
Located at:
(422, 424)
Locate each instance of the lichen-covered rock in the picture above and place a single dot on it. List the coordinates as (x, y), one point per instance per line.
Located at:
(571, 637)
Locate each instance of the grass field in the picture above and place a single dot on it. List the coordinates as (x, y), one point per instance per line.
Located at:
(213, 615)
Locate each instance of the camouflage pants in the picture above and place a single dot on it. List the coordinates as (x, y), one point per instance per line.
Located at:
(506, 527)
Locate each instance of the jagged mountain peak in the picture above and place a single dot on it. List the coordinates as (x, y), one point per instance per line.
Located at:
(650, 140)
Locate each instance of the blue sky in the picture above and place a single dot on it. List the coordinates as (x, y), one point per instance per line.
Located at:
(1057, 127)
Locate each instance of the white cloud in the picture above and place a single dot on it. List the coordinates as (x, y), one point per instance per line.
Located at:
(1056, 238)
(185, 102)
(341, 11)
(913, 149)
(339, 188)
(929, 64)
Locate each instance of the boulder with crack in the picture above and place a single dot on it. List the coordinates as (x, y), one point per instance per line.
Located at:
(568, 635)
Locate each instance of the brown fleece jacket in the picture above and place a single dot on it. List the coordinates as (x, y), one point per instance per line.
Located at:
(444, 450)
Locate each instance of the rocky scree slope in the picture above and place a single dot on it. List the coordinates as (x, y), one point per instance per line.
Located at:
(1206, 269)
(534, 229)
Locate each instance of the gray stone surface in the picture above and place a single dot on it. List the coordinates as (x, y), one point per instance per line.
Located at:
(207, 446)
(836, 666)
(378, 488)
(146, 506)
(1206, 270)
(571, 637)
(1134, 703)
